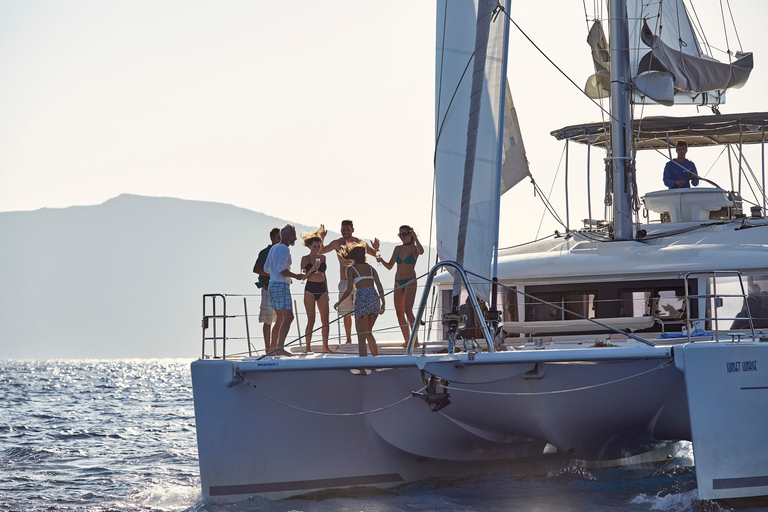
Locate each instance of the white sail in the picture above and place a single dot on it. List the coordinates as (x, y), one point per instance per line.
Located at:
(514, 163)
(458, 24)
(667, 62)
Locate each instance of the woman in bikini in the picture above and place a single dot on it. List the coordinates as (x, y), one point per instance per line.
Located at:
(316, 289)
(405, 256)
(368, 304)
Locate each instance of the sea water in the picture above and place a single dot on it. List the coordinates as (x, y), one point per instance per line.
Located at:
(119, 435)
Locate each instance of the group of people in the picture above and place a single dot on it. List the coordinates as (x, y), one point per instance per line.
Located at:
(361, 294)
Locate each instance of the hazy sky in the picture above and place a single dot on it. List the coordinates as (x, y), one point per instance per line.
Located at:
(309, 111)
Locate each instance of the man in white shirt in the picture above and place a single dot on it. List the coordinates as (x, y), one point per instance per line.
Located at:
(278, 265)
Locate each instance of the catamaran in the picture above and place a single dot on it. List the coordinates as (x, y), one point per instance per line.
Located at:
(606, 345)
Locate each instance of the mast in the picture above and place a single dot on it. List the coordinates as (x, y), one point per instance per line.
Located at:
(621, 121)
(500, 158)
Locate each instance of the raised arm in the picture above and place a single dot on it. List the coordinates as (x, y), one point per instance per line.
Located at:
(419, 248)
(333, 246)
(372, 247)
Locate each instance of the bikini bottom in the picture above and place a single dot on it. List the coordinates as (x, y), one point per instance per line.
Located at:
(316, 288)
(402, 282)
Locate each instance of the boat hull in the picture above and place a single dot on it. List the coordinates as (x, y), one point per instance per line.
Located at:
(728, 394)
(301, 426)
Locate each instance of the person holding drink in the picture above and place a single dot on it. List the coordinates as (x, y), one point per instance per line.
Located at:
(313, 265)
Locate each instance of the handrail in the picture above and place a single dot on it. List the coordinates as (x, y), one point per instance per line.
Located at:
(715, 295)
(215, 317)
(425, 298)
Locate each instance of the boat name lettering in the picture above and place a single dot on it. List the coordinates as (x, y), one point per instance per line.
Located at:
(267, 364)
(741, 366)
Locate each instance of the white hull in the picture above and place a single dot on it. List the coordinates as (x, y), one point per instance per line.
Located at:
(260, 430)
(728, 396)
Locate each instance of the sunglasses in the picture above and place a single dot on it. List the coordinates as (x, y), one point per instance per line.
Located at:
(403, 235)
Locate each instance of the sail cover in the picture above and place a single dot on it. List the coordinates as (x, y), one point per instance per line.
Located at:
(668, 65)
(471, 48)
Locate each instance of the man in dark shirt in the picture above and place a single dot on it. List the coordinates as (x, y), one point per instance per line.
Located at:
(266, 315)
(680, 172)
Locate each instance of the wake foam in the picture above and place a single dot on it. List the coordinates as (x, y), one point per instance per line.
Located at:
(678, 502)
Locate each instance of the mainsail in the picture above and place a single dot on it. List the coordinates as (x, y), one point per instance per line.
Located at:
(667, 63)
(470, 153)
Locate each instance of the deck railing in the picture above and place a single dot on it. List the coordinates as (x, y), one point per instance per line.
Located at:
(716, 300)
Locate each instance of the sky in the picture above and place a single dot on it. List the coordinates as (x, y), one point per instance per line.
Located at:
(309, 111)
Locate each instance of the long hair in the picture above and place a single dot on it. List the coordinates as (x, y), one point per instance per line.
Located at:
(314, 236)
(354, 251)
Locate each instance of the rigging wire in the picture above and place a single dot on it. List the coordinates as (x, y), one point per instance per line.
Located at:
(545, 199)
(752, 173)
(527, 243)
(586, 15)
(699, 30)
(725, 31)
(733, 22)
(605, 111)
(432, 204)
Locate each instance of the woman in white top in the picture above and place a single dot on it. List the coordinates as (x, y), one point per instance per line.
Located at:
(368, 304)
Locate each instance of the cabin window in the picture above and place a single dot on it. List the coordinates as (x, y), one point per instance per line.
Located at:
(663, 302)
(663, 299)
(635, 303)
(579, 304)
(669, 304)
(510, 305)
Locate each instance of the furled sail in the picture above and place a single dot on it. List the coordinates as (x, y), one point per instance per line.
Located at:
(471, 94)
(667, 63)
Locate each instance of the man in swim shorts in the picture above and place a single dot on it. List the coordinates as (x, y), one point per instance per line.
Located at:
(278, 265)
(346, 307)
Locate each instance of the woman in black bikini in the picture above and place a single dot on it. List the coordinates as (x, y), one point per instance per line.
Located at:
(405, 256)
(316, 289)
